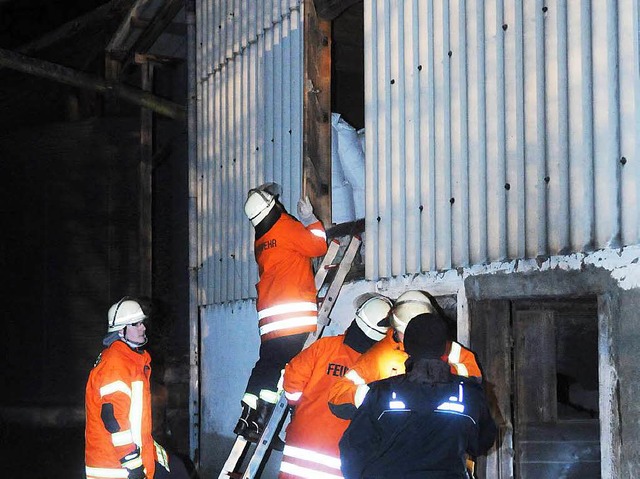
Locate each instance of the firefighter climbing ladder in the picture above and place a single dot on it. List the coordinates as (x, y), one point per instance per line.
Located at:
(272, 428)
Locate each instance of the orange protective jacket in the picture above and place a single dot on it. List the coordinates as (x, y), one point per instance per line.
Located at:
(312, 436)
(118, 413)
(385, 359)
(286, 290)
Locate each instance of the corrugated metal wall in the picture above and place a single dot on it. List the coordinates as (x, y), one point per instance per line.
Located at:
(249, 70)
(499, 130)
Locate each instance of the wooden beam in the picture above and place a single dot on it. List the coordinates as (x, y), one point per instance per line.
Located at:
(330, 9)
(317, 113)
(152, 32)
(69, 76)
(114, 8)
(127, 25)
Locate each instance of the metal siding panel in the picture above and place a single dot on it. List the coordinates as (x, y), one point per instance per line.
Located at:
(226, 144)
(213, 34)
(243, 18)
(371, 141)
(285, 127)
(212, 240)
(386, 134)
(276, 138)
(202, 193)
(200, 160)
(442, 136)
(398, 140)
(244, 256)
(514, 129)
(427, 147)
(237, 23)
(214, 289)
(477, 136)
(535, 168)
(199, 50)
(236, 193)
(628, 38)
(459, 135)
(412, 120)
(557, 116)
(495, 118)
(606, 124)
(256, 166)
(267, 144)
(580, 125)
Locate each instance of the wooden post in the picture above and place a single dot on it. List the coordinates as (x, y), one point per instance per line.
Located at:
(146, 186)
(316, 168)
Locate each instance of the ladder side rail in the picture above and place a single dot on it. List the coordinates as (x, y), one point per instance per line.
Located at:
(323, 269)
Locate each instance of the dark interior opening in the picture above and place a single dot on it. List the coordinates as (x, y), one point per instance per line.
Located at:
(555, 370)
(347, 63)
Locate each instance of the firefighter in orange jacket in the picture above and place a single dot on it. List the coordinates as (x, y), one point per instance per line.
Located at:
(286, 304)
(118, 441)
(387, 358)
(313, 434)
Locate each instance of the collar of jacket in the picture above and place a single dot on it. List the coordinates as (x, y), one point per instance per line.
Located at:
(267, 223)
(355, 338)
(138, 356)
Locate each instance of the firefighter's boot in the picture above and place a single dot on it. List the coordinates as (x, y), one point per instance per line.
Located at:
(258, 419)
(243, 421)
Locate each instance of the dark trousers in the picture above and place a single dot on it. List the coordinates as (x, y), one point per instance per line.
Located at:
(178, 469)
(274, 355)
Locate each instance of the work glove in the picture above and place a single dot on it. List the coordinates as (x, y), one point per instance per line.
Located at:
(305, 211)
(132, 462)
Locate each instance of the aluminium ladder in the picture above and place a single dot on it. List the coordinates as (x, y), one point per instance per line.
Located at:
(280, 411)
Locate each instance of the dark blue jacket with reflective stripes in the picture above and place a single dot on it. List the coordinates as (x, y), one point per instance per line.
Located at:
(408, 429)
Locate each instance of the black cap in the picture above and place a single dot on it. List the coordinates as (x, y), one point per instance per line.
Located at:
(425, 336)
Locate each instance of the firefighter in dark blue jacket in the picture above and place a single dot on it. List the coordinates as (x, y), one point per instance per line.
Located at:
(421, 424)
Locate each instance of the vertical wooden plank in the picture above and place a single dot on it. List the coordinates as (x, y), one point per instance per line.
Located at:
(609, 406)
(146, 185)
(491, 341)
(536, 396)
(316, 174)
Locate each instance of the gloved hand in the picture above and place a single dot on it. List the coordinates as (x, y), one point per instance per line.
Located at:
(132, 462)
(305, 211)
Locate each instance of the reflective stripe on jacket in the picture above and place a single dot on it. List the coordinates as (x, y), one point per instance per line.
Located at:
(118, 412)
(386, 359)
(286, 290)
(313, 434)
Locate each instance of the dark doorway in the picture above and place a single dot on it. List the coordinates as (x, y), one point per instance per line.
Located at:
(540, 361)
(555, 367)
(347, 75)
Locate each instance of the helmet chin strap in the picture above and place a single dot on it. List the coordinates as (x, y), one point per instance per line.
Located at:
(132, 344)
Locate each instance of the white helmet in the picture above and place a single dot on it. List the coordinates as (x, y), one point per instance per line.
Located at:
(371, 310)
(408, 305)
(260, 201)
(124, 312)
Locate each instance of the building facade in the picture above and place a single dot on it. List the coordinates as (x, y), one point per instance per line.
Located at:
(502, 175)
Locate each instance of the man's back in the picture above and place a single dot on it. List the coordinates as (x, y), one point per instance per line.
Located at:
(406, 429)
